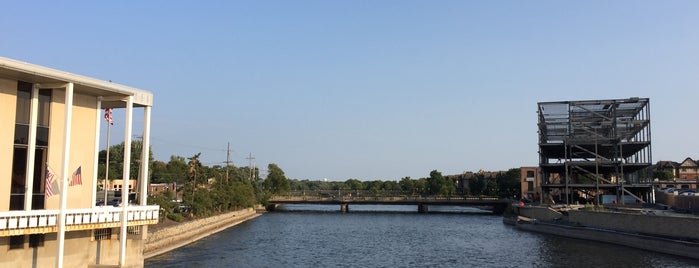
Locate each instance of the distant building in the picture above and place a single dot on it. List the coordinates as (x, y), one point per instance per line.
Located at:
(689, 170)
(118, 185)
(685, 175)
(49, 137)
(671, 167)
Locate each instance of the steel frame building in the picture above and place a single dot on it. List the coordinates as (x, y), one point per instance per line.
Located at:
(595, 147)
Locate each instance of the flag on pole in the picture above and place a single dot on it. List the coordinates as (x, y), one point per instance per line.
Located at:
(77, 178)
(108, 116)
(49, 179)
(51, 183)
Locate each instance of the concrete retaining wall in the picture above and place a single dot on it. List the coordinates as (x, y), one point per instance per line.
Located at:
(538, 212)
(179, 235)
(679, 227)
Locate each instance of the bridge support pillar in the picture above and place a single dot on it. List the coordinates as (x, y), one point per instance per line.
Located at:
(344, 207)
(422, 208)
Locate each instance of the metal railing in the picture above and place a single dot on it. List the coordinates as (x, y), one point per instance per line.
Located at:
(13, 222)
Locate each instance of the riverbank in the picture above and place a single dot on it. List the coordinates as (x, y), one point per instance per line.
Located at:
(647, 229)
(162, 240)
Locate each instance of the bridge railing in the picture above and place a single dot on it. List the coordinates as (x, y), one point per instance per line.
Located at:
(368, 196)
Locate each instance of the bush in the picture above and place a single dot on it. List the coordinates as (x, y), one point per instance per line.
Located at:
(175, 217)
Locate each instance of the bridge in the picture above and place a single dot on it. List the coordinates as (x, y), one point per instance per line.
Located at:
(495, 204)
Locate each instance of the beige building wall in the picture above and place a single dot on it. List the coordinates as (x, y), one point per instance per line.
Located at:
(8, 104)
(82, 147)
(97, 251)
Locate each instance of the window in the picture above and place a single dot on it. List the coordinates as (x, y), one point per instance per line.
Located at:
(530, 173)
(21, 147)
(102, 234)
(36, 240)
(17, 242)
(133, 230)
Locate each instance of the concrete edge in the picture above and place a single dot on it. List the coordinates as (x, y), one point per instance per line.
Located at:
(188, 238)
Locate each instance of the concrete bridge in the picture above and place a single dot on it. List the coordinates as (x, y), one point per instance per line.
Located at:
(494, 204)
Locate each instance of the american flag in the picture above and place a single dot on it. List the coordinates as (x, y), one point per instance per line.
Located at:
(108, 116)
(77, 178)
(49, 179)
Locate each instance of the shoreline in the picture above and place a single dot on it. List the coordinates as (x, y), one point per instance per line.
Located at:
(636, 228)
(173, 237)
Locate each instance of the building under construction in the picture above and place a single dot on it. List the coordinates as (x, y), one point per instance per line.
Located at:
(595, 150)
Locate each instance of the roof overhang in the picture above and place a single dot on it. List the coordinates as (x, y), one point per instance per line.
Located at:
(112, 93)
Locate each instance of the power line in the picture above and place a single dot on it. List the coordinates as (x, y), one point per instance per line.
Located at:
(189, 145)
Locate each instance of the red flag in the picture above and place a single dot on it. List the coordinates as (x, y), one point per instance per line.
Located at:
(108, 116)
(77, 178)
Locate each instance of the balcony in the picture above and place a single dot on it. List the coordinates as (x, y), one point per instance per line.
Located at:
(22, 222)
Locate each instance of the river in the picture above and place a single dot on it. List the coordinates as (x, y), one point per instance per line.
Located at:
(397, 236)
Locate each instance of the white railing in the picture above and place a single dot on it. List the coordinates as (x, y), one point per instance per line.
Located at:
(21, 219)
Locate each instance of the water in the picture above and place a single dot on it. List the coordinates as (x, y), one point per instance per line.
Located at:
(397, 236)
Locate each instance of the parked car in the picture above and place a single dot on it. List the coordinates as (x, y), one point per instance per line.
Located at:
(114, 202)
(687, 192)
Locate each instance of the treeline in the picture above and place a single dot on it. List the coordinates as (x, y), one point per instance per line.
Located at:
(202, 190)
(209, 190)
(205, 190)
(500, 184)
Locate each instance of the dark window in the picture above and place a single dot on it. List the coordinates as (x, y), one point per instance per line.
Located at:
(21, 143)
(102, 234)
(16, 241)
(36, 240)
(19, 174)
(530, 174)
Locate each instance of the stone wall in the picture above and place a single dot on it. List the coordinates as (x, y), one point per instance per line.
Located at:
(679, 227)
(179, 235)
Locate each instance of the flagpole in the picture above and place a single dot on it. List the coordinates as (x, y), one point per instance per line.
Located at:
(106, 168)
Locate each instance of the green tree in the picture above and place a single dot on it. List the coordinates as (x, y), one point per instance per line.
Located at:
(176, 170)
(477, 184)
(407, 185)
(438, 185)
(276, 182)
(354, 184)
(663, 175)
(508, 184)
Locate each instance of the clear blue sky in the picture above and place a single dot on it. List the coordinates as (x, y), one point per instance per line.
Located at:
(371, 89)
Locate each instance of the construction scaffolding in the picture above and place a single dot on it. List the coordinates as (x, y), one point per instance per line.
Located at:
(595, 149)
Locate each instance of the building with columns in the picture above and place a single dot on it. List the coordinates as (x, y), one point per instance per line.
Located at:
(50, 124)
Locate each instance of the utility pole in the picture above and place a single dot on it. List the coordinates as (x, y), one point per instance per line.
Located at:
(250, 166)
(228, 161)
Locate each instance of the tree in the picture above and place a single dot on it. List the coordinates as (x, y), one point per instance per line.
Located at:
(438, 185)
(407, 185)
(663, 175)
(276, 182)
(477, 184)
(354, 184)
(177, 169)
(508, 184)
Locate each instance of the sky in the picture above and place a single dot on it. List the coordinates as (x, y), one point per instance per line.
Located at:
(370, 89)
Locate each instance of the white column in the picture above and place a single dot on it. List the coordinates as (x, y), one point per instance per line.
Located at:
(145, 156)
(31, 149)
(64, 174)
(125, 186)
(98, 120)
